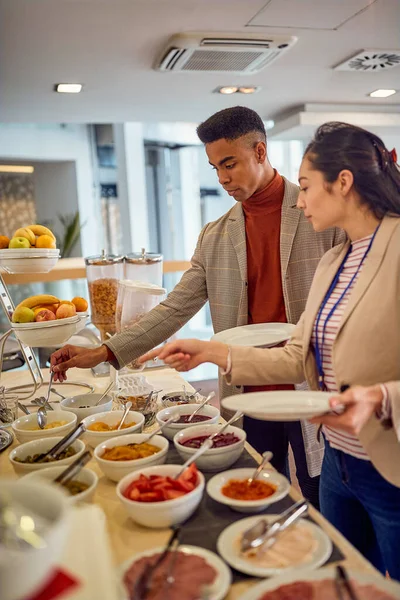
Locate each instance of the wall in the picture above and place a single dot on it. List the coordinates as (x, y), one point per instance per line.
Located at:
(71, 143)
(56, 193)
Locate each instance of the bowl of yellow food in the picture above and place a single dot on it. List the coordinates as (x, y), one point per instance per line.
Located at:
(22, 457)
(80, 489)
(119, 456)
(59, 422)
(103, 426)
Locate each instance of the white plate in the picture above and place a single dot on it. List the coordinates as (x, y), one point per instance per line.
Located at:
(262, 335)
(228, 549)
(270, 585)
(218, 590)
(284, 405)
(216, 483)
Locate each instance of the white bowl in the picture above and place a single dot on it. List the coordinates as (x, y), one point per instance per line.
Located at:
(84, 476)
(23, 427)
(215, 459)
(28, 260)
(37, 447)
(46, 333)
(185, 409)
(116, 470)
(217, 482)
(93, 438)
(22, 572)
(161, 514)
(73, 403)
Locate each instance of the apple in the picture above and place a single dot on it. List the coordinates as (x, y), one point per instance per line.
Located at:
(45, 315)
(65, 310)
(19, 242)
(23, 314)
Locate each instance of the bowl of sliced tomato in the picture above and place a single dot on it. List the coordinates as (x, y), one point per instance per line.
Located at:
(154, 498)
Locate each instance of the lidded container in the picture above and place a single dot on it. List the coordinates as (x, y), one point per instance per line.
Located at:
(103, 274)
(144, 266)
(136, 299)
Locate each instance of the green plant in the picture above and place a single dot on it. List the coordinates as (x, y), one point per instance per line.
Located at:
(69, 236)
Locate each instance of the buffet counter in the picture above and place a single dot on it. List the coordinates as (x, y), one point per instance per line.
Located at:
(125, 537)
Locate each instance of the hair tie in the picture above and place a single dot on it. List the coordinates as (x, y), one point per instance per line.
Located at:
(393, 155)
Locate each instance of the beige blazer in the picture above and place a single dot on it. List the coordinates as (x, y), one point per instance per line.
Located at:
(219, 274)
(367, 347)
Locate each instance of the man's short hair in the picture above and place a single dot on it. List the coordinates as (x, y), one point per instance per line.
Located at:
(231, 124)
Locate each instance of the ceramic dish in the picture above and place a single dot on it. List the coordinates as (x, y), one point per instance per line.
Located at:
(185, 409)
(38, 447)
(280, 406)
(6, 439)
(228, 548)
(259, 335)
(113, 417)
(218, 589)
(85, 475)
(75, 403)
(272, 585)
(28, 260)
(216, 483)
(47, 333)
(24, 431)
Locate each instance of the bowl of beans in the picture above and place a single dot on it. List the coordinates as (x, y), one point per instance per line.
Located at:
(207, 415)
(119, 456)
(80, 489)
(23, 457)
(226, 449)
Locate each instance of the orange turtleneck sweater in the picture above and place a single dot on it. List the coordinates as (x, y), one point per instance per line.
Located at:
(262, 213)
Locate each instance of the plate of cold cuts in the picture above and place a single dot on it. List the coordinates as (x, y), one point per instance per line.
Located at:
(188, 573)
(321, 585)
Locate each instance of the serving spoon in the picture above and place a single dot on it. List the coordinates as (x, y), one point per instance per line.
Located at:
(211, 395)
(108, 388)
(267, 456)
(128, 406)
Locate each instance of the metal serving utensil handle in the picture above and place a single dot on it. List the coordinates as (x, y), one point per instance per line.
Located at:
(74, 468)
(64, 443)
(209, 397)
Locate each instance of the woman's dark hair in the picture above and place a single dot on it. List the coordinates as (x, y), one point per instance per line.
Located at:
(337, 146)
(231, 124)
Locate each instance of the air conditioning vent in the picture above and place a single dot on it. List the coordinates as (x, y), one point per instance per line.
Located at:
(223, 53)
(369, 61)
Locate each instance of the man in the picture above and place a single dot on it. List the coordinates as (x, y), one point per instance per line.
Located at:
(254, 264)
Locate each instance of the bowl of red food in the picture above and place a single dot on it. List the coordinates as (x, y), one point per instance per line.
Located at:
(207, 415)
(153, 498)
(226, 449)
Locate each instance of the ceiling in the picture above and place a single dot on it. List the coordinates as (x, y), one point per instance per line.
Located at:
(110, 46)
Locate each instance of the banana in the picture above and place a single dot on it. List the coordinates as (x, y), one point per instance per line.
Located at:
(27, 233)
(40, 299)
(41, 230)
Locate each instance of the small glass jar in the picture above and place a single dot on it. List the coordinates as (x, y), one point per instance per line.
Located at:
(103, 274)
(144, 266)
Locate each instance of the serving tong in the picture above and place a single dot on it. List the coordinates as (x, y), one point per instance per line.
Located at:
(73, 469)
(342, 582)
(264, 534)
(62, 444)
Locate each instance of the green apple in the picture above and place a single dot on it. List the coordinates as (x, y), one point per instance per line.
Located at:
(19, 242)
(23, 315)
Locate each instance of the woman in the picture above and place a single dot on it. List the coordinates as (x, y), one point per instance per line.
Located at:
(348, 337)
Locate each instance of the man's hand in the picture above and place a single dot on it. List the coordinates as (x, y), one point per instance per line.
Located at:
(75, 356)
(184, 355)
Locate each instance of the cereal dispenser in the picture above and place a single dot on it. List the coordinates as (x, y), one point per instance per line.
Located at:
(103, 274)
(144, 266)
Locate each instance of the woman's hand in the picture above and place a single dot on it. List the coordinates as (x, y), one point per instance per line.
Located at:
(184, 355)
(359, 403)
(75, 356)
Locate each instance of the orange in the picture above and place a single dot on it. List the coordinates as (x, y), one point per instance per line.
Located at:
(4, 241)
(81, 304)
(45, 241)
(52, 307)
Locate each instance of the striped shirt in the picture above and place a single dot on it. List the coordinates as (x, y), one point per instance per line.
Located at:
(337, 438)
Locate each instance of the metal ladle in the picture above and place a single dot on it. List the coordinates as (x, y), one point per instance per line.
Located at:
(41, 417)
(209, 397)
(108, 388)
(128, 406)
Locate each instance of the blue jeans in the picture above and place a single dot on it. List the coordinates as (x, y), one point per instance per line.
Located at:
(363, 506)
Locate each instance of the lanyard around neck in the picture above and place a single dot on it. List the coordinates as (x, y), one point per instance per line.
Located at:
(319, 348)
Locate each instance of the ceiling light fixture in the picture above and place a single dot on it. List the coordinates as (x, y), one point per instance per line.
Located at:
(248, 89)
(382, 93)
(227, 89)
(68, 88)
(16, 169)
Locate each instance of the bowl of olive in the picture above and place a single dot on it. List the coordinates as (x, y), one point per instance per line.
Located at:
(23, 457)
(80, 489)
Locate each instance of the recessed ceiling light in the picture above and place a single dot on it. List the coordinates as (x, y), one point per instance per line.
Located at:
(68, 88)
(16, 169)
(248, 89)
(382, 93)
(227, 89)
